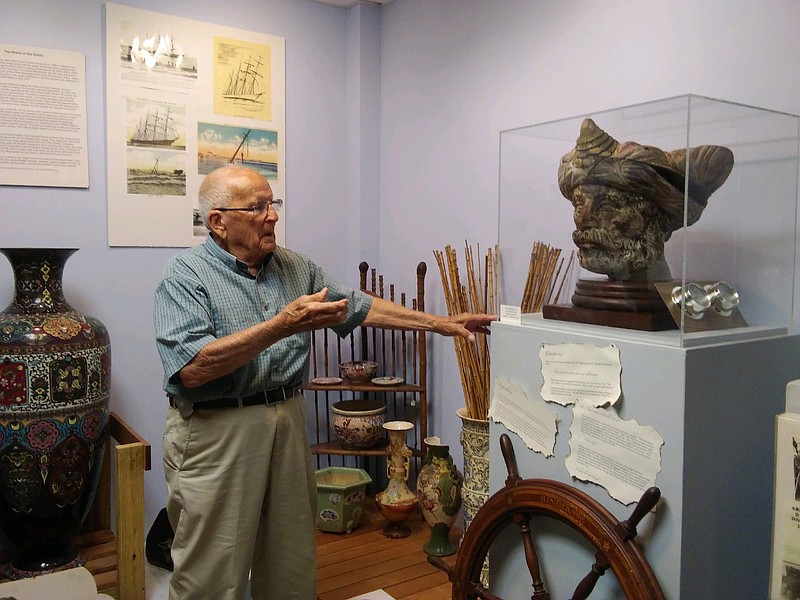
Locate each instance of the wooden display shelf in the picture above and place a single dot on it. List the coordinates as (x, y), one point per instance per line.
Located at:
(399, 353)
(367, 386)
(335, 447)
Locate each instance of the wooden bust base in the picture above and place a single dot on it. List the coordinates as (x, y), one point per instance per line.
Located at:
(629, 304)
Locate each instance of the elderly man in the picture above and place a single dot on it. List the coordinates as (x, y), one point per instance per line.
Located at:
(232, 318)
(629, 198)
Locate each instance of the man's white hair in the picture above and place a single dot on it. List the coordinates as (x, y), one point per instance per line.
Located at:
(221, 187)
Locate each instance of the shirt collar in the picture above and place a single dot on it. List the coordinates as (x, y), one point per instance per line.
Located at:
(229, 259)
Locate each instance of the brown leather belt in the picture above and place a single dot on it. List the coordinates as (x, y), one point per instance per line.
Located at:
(272, 396)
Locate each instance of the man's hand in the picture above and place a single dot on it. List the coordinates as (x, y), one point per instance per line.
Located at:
(313, 312)
(467, 324)
(393, 316)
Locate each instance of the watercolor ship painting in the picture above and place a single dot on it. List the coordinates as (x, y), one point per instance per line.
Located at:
(242, 157)
(220, 145)
(156, 172)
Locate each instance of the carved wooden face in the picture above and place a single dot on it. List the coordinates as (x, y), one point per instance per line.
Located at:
(617, 233)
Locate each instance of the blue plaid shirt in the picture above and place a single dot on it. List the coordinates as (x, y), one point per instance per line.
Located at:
(206, 293)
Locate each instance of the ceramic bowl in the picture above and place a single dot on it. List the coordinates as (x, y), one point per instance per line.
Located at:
(358, 370)
(358, 423)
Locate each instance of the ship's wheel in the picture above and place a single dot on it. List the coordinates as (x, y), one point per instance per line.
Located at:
(523, 499)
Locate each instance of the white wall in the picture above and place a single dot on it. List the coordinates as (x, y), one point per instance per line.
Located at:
(457, 72)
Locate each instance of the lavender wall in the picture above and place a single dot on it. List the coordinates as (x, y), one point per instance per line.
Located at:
(393, 120)
(457, 72)
(116, 284)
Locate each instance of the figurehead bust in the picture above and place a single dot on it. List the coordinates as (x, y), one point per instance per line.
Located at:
(628, 199)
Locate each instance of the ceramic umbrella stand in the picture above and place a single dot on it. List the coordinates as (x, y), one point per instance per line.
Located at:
(475, 443)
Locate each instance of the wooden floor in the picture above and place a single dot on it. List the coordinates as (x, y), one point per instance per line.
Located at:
(351, 564)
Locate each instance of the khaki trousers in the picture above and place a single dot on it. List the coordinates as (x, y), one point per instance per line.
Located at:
(241, 499)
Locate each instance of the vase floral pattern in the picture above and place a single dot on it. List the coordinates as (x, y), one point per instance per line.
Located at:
(475, 492)
(358, 423)
(397, 503)
(439, 494)
(54, 388)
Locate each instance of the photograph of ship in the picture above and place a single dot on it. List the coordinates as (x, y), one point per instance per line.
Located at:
(219, 145)
(156, 172)
(157, 53)
(242, 75)
(155, 124)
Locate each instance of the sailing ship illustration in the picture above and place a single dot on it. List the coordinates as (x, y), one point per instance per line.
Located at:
(156, 129)
(246, 82)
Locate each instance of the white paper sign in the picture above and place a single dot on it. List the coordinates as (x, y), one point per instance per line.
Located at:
(510, 314)
(376, 595)
(43, 117)
(530, 419)
(622, 456)
(573, 372)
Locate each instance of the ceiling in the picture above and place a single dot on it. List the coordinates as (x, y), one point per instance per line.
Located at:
(349, 3)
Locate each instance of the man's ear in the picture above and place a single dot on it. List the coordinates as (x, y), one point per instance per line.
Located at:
(216, 223)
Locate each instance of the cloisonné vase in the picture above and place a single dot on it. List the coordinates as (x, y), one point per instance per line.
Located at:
(54, 382)
(397, 503)
(439, 494)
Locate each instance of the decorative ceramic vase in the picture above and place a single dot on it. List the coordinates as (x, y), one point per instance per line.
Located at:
(475, 492)
(397, 503)
(54, 382)
(358, 423)
(439, 494)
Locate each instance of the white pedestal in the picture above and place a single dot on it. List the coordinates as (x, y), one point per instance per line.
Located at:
(714, 406)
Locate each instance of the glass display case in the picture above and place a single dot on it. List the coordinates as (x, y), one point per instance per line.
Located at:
(745, 239)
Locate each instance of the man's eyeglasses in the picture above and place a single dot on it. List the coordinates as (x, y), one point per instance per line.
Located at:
(259, 208)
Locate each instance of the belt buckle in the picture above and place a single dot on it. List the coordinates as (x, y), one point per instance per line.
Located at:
(268, 400)
(284, 390)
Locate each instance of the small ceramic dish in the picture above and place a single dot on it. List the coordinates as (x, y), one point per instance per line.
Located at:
(387, 380)
(326, 380)
(358, 371)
